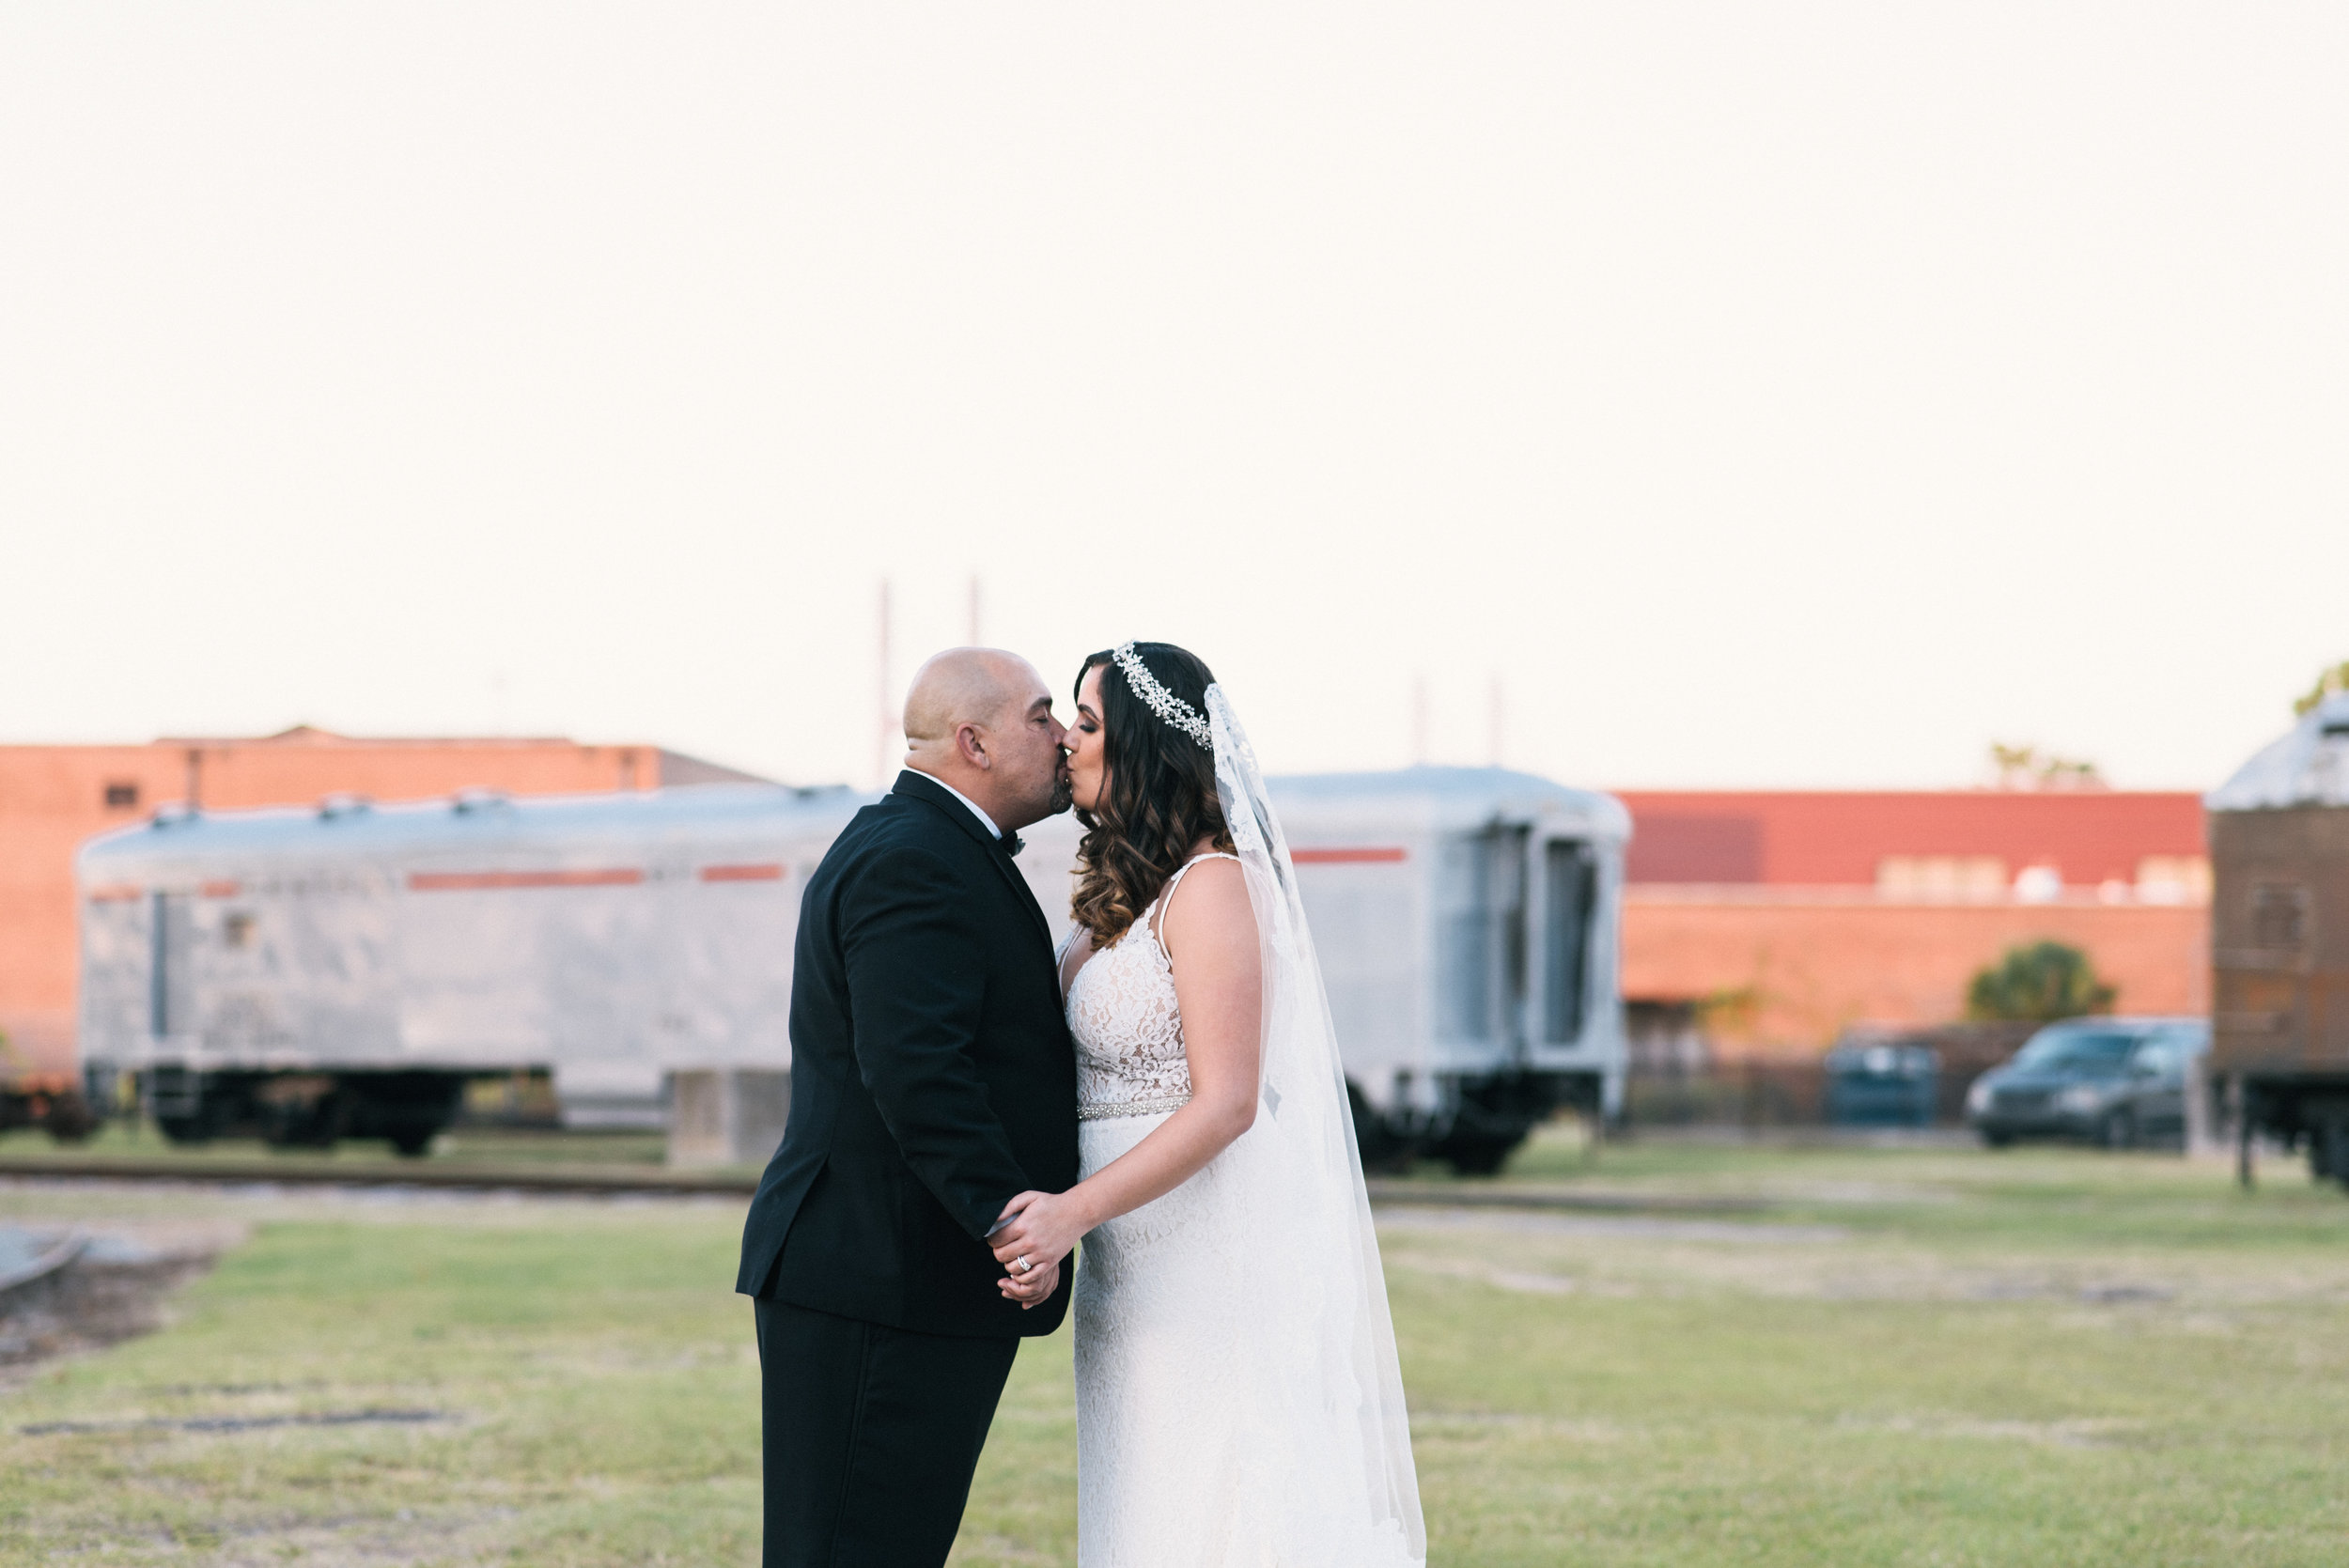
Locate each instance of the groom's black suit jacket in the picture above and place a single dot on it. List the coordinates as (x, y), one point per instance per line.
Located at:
(932, 1077)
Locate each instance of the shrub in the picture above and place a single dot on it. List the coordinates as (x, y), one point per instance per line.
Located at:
(2038, 983)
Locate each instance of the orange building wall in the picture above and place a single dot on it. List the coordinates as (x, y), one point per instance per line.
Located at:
(1787, 975)
(52, 798)
(1772, 911)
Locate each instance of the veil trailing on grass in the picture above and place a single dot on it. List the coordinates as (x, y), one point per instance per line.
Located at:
(1333, 1416)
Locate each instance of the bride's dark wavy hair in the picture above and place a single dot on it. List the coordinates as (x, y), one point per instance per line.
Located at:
(1158, 799)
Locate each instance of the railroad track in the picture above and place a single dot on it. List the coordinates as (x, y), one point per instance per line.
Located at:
(591, 1179)
(619, 1181)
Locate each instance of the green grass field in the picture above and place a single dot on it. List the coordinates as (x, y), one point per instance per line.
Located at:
(1914, 1358)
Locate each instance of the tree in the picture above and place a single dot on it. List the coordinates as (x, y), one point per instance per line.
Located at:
(2029, 767)
(2038, 983)
(2332, 680)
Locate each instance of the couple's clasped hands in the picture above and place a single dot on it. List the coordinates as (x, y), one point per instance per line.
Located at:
(1036, 1231)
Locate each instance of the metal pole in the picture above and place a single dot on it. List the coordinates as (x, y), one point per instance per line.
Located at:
(2199, 1137)
(2240, 1093)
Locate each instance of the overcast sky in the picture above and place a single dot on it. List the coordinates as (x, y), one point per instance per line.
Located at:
(1773, 394)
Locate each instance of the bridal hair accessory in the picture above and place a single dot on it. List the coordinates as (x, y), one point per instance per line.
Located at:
(1165, 703)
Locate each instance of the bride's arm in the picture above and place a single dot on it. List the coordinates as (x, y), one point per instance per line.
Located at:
(1210, 936)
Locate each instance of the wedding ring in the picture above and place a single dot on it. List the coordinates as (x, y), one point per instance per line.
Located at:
(1021, 1265)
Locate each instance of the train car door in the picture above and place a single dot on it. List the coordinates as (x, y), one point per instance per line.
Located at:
(1483, 952)
(1562, 874)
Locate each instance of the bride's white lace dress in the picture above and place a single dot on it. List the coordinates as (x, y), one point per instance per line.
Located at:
(1207, 1433)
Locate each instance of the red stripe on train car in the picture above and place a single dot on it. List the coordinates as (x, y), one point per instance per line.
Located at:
(476, 881)
(742, 874)
(116, 896)
(221, 890)
(1347, 857)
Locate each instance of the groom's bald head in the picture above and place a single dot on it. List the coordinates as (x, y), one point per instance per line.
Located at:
(964, 686)
(981, 719)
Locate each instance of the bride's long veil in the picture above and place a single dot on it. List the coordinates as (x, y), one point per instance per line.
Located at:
(1325, 1358)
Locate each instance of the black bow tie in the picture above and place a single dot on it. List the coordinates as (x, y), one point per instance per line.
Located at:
(1010, 844)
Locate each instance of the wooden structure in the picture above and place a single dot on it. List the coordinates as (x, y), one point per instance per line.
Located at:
(2279, 942)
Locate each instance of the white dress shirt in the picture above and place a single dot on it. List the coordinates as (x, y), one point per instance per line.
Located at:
(992, 830)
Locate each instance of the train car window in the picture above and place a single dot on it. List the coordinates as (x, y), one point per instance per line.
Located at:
(1569, 888)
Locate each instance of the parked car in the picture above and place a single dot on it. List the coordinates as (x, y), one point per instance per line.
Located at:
(1882, 1085)
(2120, 1082)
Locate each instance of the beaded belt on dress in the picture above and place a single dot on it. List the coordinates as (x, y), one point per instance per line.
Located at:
(1103, 1110)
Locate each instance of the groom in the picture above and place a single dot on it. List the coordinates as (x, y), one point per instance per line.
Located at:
(932, 1079)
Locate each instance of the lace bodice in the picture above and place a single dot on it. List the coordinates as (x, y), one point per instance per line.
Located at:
(1128, 1029)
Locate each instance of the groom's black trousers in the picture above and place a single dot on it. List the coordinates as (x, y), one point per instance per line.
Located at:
(871, 1435)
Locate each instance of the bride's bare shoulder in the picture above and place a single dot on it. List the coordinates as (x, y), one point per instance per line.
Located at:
(1210, 907)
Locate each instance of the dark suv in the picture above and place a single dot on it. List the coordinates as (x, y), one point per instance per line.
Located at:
(2120, 1082)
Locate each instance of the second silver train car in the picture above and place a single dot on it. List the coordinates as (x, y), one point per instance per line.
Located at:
(346, 970)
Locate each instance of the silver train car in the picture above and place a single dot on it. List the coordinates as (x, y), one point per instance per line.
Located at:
(344, 972)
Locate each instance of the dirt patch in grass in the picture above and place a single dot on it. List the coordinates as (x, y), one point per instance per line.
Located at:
(2082, 1433)
(243, 1424)
(118, 1288)
(1615, 1257)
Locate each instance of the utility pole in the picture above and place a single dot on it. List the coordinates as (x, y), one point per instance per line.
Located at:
(887, 720)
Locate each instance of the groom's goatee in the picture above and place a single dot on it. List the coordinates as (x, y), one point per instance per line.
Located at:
(1064, 794)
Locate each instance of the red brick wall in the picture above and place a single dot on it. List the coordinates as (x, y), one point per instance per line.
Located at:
(1793, 838)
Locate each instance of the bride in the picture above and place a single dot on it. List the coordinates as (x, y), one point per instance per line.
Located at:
(1238, 1401)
